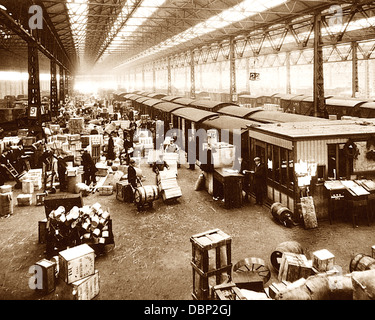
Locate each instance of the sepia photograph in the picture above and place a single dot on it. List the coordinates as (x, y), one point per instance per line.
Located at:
(186, 154)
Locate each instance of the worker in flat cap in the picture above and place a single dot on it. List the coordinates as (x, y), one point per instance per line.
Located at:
(132, 174)
(259, 181)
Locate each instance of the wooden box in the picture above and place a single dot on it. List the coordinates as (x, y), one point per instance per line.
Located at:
(76, 263)
(249, 281)
(24, 199)
(277, 287)
(42, 230)
(48, 270)
(5, 188)
(168, 184)
(211, 262)
(323, 260)
(40, 199)
(84, 289)
(68, 201)
(227, 291)
(294, 266)
(124, 191)
(170, 194)
(105, 190)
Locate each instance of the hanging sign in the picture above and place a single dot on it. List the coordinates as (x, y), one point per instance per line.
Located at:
(254, 76)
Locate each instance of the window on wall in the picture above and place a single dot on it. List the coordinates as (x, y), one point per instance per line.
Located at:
(290, 169)
(283, 167)
(269, 162)
(280, 166)
(339, 165)
(276, 163)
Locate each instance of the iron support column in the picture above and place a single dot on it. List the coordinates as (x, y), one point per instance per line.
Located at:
(319, 101)
(34, 100)
(153, 77)
(62, 85)
(354, 69)
(232, 70)
(287, 65)
(192, 75)
(169, 76)
(54, 98)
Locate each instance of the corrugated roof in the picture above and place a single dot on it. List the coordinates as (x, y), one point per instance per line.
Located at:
(343, 102)
(281, 117)
(318, 129)
(156, 95)
(209, 104)
(229, 123)
(142, 99)
(152, 102)
(192, 114)
(184, 101)
(236, 111)
(298, 98)
(171, 98)
(168, 106)
(250, 96)
(288, 96)
(368, 105)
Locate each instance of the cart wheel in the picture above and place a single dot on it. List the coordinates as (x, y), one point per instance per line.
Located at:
(253, 265)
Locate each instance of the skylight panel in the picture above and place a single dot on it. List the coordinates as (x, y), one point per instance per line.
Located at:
(223, 19)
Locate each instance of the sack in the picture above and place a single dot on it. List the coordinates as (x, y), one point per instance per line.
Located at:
(199, 185)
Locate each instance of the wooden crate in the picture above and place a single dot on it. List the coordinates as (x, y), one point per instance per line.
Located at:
(323, 260)
(105, 190)
(276, 287)
(172, 193)
(227, 291)
(124, 191)
(76, 263)
(211, 262)
(48, 270)
(293, 267)
(52, 202)
(42, 230)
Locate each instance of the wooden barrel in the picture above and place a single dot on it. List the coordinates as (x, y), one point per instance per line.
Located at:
(287, 246)
(362, 262)
(282, 214)
(145, 195)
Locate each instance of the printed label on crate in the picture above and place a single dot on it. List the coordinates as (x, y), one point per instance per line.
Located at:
(76, 263)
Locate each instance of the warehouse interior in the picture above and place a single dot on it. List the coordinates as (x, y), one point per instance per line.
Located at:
(130, 137)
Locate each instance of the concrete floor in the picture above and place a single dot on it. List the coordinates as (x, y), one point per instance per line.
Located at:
(152, 252)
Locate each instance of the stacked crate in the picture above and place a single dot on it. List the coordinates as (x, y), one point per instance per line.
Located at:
(95, 144)
(168, 186)
(211, 262)
(77, 270)
(35, 176)
(76, 125)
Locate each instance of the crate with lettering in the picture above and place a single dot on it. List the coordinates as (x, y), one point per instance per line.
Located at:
(211, 262)
(84, 289)
(47, 270)
(76, 263)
